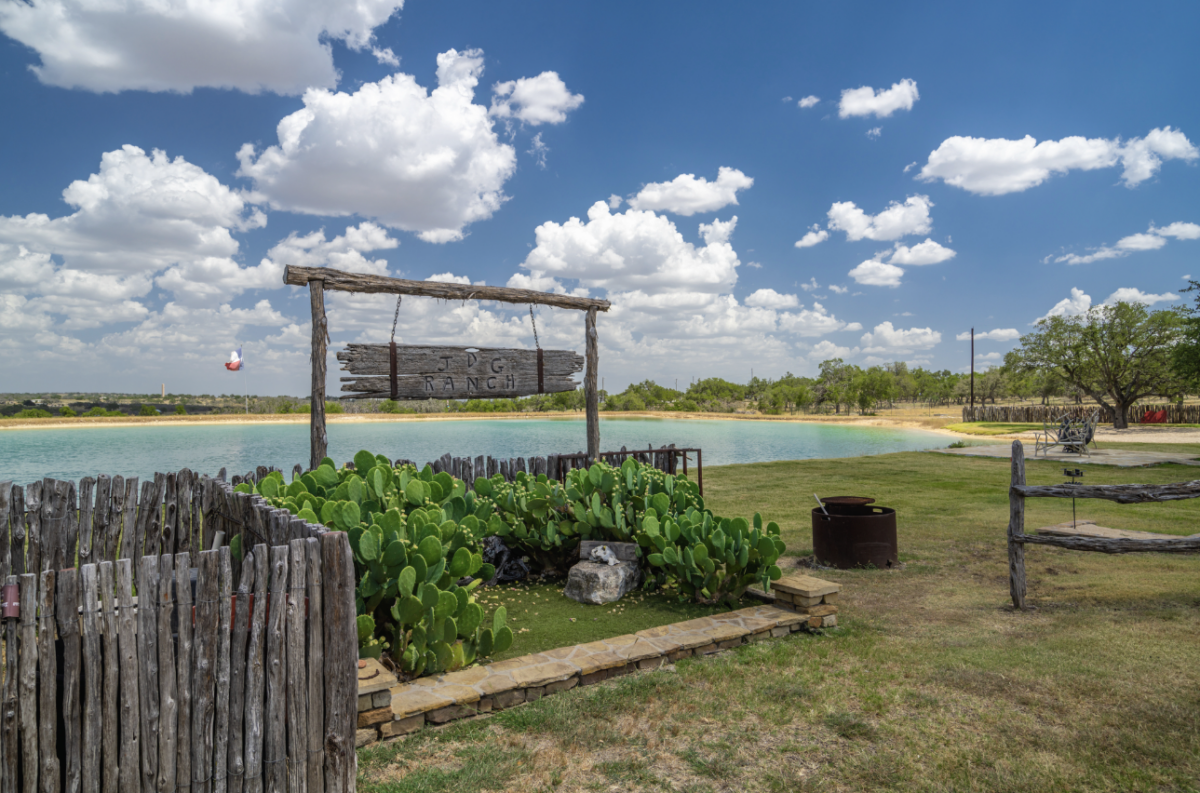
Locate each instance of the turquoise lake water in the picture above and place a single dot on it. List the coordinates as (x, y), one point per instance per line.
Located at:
(26, 455)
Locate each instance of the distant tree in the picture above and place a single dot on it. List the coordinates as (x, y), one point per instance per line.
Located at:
(66, 412)
(147, 410)
(1185, 358)
(334, 407)
(1114, 354)
(180, 410)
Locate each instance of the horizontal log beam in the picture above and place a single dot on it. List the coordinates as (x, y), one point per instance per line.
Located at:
(452, 387)
(342, 281)
(1112, 545)
(1122, 494)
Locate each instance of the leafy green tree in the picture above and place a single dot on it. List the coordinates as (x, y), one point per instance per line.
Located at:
(66, 412)
(180, 410)
(147, 410)
(873, 386)
(1114, 354)
(1185, 359)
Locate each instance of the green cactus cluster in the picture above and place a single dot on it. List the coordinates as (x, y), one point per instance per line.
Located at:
(711, 559)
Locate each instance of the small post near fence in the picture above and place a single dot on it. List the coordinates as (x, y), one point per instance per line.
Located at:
(1016, 528)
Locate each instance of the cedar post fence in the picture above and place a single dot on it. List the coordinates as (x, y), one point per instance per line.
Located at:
(319, 279)
(182, 678)
(1122, 494)
(1036, 414)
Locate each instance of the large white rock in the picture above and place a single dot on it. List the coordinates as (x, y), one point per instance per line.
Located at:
(591, 582)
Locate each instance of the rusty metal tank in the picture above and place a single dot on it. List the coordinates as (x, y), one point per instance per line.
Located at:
(854, 533)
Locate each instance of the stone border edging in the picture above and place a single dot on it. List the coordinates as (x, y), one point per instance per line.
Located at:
(387, 710)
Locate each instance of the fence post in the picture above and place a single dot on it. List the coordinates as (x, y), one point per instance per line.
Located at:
(1016, 528)
(341, 669)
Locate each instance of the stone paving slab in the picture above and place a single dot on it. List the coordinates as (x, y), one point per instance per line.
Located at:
(805, 586)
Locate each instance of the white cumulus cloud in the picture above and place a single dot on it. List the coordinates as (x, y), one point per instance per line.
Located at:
(173, 45)
(429, 163)
(999, 334)
(898, 220)
(769, 298)
(927, 252)
(815, 236)
(877, 273)
(1129, 294)
(995, 166)
(544, 99)
(867, 101)
(1150, 240)
(886, 339)
(1077, 303)
(688, 194)
(809, 101)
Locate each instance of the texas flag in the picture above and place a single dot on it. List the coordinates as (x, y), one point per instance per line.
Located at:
(235, 360)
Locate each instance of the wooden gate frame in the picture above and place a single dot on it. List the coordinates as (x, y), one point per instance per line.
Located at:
(318, 279)
(1122, 494)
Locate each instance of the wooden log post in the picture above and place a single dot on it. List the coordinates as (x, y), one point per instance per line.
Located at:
(66, 607)
(591, 395)
(255, 680)
(341, 653)
(168, 693)
(147, 664)
(131, 708)
(108, 712)
(297, 669)
(17, 532)
(1016, 528)
(47, 672)
(275, 745)
(318, 441)
(10, 725)
(237, 677)
(28, 688)
(204, 654)
(316, 669)
(224, 639)
(183, 670)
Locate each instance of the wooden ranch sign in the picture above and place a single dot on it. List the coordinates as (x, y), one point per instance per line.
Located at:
(428, 372)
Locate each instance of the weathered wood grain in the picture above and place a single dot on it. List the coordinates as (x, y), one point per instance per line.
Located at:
(204, 671)
(297, 668)
(102, 517)
(221, 708)
(183, 510)
(342, 281)
(49, 528)
(138, 539)
(129, 770)
(1016, 527)
(27, 672)
(170, 515)
(507, 386)
(87, 508)
(17, 531)
(47, 669)
(341, 676)
(255, 672)
(318, 440)
(591, 395)
(316, 668)
(147, 664)
(93, 681)
(237, 676)
(168, 693)
(5, 542)
(367, 360)
(70, 527)
(184, 661)
(10, 713)
(33, 523)
(1122, 494)
(154, 511)
(110, 704)
(1113, 546)
(275, 748)
(66, 606)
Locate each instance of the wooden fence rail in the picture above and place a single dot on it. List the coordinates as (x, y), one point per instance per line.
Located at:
(1036, 414)
(165, 677)
(1122, 494)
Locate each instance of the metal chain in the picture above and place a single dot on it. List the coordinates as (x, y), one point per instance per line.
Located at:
(533, 322)
(396, 317)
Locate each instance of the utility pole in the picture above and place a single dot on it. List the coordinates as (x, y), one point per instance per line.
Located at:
(972, 374)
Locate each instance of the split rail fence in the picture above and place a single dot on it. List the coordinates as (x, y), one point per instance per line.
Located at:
(1122, 494)
(133, 674)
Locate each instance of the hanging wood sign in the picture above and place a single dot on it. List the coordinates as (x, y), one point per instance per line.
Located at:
(427, 372)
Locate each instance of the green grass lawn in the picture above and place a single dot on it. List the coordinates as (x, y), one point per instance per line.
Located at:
(931, 683)
(991, 428)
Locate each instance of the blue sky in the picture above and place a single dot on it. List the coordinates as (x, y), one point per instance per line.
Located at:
(942, 166)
